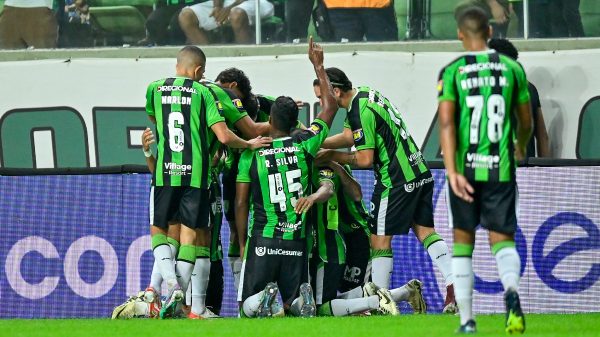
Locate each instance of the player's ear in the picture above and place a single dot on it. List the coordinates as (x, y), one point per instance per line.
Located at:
(198, 72)
(490, 32)
(460, 35)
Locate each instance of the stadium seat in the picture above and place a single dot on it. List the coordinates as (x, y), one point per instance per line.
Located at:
(401, 8)
(111, 3)
(590, 17)
(1, 6)
(443, 25)
(117, 24)
(587, 138)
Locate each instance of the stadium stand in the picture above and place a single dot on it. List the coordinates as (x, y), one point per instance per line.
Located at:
(118, 20)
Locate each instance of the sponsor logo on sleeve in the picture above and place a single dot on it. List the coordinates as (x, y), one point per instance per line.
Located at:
(238, 104)
(326, 173)
(440, 86)
(358, 134)
(315, 128)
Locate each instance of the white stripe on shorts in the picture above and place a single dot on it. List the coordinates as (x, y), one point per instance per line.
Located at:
(450, 217)
(151, 209)
(383, 205)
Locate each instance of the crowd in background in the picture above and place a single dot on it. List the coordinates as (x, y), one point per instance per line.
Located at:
(68, 23)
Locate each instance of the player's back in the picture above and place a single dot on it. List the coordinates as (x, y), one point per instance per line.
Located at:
(184, 111)
(398, 159)
(280, 174)
(486, 87)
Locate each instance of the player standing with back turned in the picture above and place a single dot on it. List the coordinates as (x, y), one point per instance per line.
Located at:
(483, 100)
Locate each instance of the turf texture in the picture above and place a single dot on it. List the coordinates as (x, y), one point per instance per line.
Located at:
(571, 325)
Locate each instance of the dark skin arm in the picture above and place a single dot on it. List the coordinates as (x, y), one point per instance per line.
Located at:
(541, 136)
(524, 129)
(323, 194)
(230, 139)
(242, 200)
(350, 186)
(147, 139)
(330, 107)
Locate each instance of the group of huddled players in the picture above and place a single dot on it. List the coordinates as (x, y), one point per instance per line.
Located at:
(299, 228)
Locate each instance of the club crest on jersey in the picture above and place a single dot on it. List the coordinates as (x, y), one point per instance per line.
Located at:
(358, 134)
(238, 104)
(315, 128)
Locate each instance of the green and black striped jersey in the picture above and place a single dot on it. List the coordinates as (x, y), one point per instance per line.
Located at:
(341, 212)
(377, 124)
(185, 111)
(486, 88)
(228, 103)
(279, 175)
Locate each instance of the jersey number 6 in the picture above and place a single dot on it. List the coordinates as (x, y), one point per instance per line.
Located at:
(176, 136)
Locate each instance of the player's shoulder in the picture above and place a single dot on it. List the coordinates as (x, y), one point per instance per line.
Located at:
(159, 82)
(450, 65)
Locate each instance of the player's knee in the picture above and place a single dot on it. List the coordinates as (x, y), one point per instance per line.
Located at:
(238, 18)
(188, 19)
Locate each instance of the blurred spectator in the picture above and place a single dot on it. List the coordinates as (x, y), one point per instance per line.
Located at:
(297, 17)
(539, 25)
(539, 140)
(417, 22)
(75, 28)
(498, 11)
(28, 23)
(162, 25)
(565, 18)
(358, 20)
(196, 20)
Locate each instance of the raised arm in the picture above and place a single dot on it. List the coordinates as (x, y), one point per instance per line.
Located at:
(350, 186)
(330, 107)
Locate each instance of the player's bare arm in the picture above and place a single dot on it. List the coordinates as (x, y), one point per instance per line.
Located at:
(350, 186)
(242, 200)
(323, 194)
(356, 159)
(339, 141)
(524, 129)
(230, 139)
(147, 139)
(458, 182)
(329, 105)
(541, 136)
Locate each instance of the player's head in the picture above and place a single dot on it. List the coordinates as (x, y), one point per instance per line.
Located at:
(503, 46)
(473, 23)
(236, 80)
(284, 114)
(339, 81)
(191, 62)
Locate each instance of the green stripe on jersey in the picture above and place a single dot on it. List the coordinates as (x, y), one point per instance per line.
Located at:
(378, 125)
(486, 87)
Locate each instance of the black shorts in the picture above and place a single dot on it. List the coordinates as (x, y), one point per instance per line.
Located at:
(494, 207)
(229, 179)
(214, 292)
(326, 279)
(189, 205)
(358, 251)
(395, 210)
(274, 260)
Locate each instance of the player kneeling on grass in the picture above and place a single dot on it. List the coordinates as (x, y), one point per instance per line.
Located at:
(275, 182)
(485, 124)
(345, 209)
(187, 122)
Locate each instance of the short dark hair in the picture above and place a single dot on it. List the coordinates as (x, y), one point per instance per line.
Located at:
(473, 20)
(503, 46)
(337, 78)
(236, 75)
(284, 114)
(191, 56)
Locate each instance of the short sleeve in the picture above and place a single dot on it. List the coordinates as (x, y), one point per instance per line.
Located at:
(445, 86)
(213, 115)
(233, 109)
(326, 174)
(522, 85)
(312, 138)
(244, 166)
(364, 137)
(150, 100)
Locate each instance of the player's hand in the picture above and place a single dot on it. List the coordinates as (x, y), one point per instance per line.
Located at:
(259, 142)
(304, 204)
(520, 153)
(498, 12)
(147, 139)
(323, 156)
(461, 187)
(315, 53)
(221, 15)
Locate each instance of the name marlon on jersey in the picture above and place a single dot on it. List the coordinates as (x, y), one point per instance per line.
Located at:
(176, 100)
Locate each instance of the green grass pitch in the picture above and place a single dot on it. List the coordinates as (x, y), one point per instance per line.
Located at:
(578, 325)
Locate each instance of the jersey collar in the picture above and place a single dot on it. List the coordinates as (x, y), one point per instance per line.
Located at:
(482, 52)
